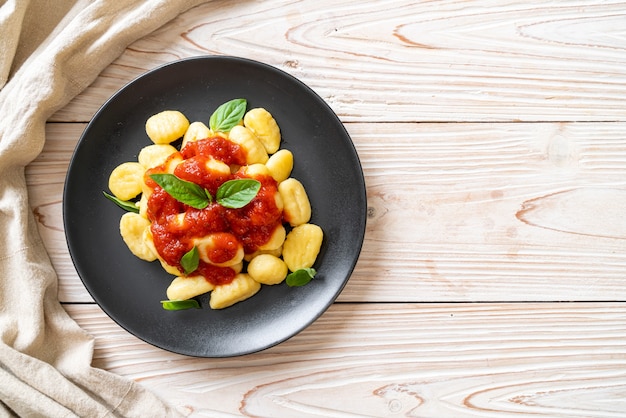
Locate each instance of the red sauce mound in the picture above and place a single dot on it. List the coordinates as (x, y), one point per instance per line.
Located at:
(175, 225)
(217, 147)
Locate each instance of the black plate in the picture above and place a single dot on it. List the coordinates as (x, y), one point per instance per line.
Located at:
(129, 289)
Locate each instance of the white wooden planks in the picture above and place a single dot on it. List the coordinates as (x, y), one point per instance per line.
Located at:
(388, 61)
(375, 360)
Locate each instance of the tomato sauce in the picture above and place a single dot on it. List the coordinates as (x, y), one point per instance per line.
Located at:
(216, 275)
(195, 170)
(217, 147)
(255, 223)
(175, 225)
(225, 247)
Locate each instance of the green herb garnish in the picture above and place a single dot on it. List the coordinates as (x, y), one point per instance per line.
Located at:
(178, 305)
(233, 194)
(300, 277)
(124, 204)
(190, 260)
(237, 193)
(184, 191)
(227, 115)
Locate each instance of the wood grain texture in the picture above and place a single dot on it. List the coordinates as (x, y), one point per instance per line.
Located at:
(457, 212)
(407, 360)
(387, 61)
(492, 136)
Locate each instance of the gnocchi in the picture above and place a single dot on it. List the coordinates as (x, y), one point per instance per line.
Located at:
(196, 130)
(186, 287)
(267, 269)
(240, 288)
(126, 179)
(220, 249)
(280, 165)
(245, 138)
(297, 207)
(167, 126)
(229, 251)
(133, 231)
(264, 126)
(302, 246)
(276, 240)
(154, 155)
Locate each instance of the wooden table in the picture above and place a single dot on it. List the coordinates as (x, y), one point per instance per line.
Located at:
(492, 278)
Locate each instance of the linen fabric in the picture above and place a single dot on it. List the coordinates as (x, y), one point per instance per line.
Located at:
(50, 50)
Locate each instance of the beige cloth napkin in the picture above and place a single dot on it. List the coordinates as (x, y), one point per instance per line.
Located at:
(50, 50)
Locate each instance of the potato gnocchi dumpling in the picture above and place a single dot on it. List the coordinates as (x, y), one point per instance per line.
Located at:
(302, 245)
(220, 249)
(280, 165)
(196, 130)
(155, 155)
(296, 205)
(217, 167)
(267, 269)
(276, 240)
(240, 288)
(245, 138)
(228, 241)
(133, 231)
(186, 287)
(126, 180)
(167, 126)
(264, 126)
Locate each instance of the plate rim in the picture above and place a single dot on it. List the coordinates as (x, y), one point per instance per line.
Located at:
(362, 192)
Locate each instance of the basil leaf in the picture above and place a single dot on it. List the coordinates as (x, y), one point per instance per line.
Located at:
(228, 115)
(177, 305)
(184, 191)
(124, 204)
(237, 193)
(300, 277)
(190, 260)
